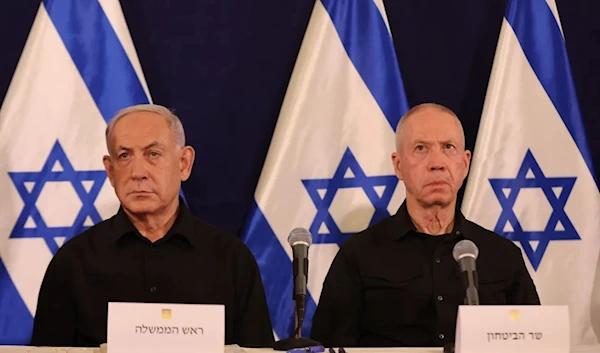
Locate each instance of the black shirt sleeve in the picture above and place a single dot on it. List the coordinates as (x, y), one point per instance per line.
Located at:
(252, 321)
(522, 291)
(336, 322)
(54, 322)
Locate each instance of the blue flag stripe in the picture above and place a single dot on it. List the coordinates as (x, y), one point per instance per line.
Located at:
(369, 45)
(276, 271)
(16, 321)
(97, 53)
(541, 39)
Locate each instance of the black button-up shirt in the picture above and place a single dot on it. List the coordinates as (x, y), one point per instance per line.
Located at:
(193, 263)
(392, 286)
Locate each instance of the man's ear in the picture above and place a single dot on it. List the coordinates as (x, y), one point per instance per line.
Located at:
(186, 162)
(396, 162)
(107, 161)
(467, 161)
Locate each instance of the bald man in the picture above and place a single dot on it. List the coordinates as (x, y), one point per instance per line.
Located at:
(396, 284)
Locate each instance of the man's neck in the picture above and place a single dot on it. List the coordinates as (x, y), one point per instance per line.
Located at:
(433, 220)
(155, 226)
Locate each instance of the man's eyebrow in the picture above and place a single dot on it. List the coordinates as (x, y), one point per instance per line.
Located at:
(154, 144)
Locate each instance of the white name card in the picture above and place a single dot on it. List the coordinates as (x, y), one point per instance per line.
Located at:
(160, 328)
(523, 329)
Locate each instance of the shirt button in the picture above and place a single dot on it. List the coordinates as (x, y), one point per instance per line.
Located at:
(441, 336)
(153, 289)
(440, 298)
(458, 232)
(437, 261)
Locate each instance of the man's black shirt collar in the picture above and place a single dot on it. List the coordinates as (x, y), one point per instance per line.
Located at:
(182, 227)
(404, 225)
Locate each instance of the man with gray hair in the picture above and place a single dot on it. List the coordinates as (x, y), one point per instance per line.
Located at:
(397, 284)
(153, 250)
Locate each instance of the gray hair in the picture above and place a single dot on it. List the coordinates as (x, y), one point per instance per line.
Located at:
(172, 120)
(420, 107)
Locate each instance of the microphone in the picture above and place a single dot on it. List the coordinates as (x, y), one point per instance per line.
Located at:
(465, 252)
(300, 240)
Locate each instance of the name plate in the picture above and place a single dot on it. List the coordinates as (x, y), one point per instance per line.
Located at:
(160, 328)
(523, 329)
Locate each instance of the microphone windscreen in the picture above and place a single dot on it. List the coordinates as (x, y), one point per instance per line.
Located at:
(300, 236)
(465, 248)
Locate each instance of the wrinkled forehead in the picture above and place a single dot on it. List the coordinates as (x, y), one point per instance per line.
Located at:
(141, 128)
(432, 125)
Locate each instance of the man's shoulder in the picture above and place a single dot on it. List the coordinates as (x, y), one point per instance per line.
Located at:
(373, 235)
(97, 231)
(74, 247)
(216, 239)
(209, 236)
(489, 242)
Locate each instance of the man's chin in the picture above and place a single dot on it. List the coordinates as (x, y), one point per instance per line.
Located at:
(137, 203)
(438, 199)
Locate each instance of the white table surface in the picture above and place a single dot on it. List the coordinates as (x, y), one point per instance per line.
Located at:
(595, 349)
(235, 349)
(364, 350)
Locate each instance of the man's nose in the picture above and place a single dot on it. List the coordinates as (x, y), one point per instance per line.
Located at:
(437, 161)
(138, 169)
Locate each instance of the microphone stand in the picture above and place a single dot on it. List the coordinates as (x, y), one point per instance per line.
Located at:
(471, 298)
(296, 341)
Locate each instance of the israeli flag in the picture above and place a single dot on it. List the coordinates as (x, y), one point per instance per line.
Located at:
(78, 68)
(328, 168)
(532, 178)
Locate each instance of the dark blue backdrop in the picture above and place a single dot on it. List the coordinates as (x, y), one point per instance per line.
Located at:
(224, 65)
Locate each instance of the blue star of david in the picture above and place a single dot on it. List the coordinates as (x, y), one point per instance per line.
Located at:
(340, 181)
(557, 201)
(39, 179)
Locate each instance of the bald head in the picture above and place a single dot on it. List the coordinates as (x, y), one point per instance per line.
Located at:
(423, 109)
(430, 156)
